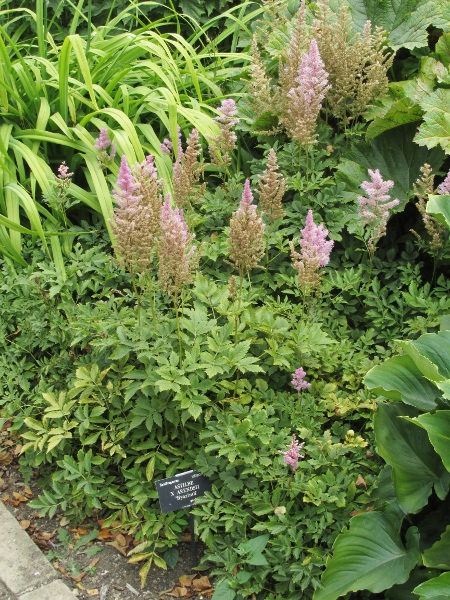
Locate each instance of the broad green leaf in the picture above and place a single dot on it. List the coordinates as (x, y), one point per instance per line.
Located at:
(406, 448)
(437, 425)
(406, 21)
(397, 158)
(431, 355)
(369, 556)
(439, 208)
(223, 591)
(398, 378)
(438, 555)
(435, 130)
(437, 588)
(399, 113)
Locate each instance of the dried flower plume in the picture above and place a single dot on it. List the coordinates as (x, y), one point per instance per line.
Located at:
(423, 187)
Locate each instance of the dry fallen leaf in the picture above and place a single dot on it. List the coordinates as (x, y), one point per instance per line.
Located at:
(93, 592)
(5, 458)
(20, 497)
(105, 534)
(186, 580)
(27, 491)
(25, 524)
(79, 577)
(93, 562)
(201, 584)
(360, 481)
(179, 592)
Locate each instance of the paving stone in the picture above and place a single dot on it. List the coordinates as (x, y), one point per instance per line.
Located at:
(23, 566)
(56, 590)
(5, 594)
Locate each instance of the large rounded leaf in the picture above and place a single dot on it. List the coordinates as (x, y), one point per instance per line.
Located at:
(438, 555)
(369, 556)
(437, 425)
(398, 378)
(406, 448)
(431, 354)
(437, 588)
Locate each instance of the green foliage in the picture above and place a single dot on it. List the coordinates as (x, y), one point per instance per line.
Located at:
(418, 458)
(107, 402)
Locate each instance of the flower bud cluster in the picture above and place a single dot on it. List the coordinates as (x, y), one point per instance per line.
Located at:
(272, 187)
(246, 238)
(187, 170)
(292, 455)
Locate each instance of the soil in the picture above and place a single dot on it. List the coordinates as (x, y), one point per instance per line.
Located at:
(98, 568)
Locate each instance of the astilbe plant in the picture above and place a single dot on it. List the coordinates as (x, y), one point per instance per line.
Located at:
(357, 64)
(106, 149)
(374, 208)
(134, 220)
(423, 187)
(315, 254)
(246, 238)
(303, 102)
(222, 145)
(187, 170)
(289, 67)
(272, 187)
(178, 257)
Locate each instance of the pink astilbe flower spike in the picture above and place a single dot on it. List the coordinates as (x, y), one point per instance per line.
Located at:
(315, 253)
(444, 188)
(246, 238)
(303, 103)
(374, 209)
(102, 143)
(292, 455)
(221, 146)
(167, 146)
(134, 240)
(178, 257)
(298, 380)
(63, 171)
(186, 172)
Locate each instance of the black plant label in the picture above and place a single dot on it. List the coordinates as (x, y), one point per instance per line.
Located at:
(180, 491)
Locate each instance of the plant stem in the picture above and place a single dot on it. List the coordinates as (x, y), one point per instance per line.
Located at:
(177, 317)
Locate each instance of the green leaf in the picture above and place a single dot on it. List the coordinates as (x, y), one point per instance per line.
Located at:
(415, 465)
(435, 130)
(223, 591)
(431, 354)
(439, 208)
(437, 588)
(398, 378)
(438, 556)
(406, 21)
(369, 556)
(437, 425)
(399, 113)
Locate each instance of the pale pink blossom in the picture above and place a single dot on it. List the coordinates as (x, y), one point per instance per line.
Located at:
(292, 455)
(298, 380)
(444, 188)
